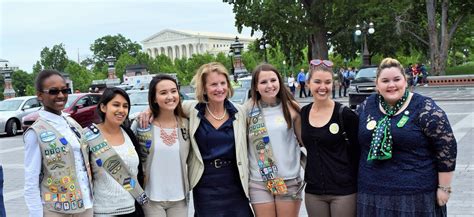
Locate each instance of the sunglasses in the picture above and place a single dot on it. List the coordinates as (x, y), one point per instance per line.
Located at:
(317, 62)
(56, 91)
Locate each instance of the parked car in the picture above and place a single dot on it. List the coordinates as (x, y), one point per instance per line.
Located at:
(241, 95)
(80, 106)
(362, 86)
(13, 110)
(139, 102)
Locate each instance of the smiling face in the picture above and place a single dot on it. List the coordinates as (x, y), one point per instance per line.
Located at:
(268, 85)
(391, 84)
(216, 87)
(320, 84)
(116, 110)
(53, 103)
(167, 95)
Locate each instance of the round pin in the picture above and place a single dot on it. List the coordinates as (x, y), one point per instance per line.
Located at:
(371, 125)
(406, 112)
(334, 128)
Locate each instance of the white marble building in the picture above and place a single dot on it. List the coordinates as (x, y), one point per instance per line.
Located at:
(183, 44)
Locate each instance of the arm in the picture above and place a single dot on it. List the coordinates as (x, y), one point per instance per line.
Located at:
(436, 127)
(32, 174)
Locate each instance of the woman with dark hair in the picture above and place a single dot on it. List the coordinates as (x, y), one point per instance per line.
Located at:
(165, 148)
(57, 171)
(114, 158)
(274, 154)
(329, 133)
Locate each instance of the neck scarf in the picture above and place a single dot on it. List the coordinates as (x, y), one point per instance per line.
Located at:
(381, 145)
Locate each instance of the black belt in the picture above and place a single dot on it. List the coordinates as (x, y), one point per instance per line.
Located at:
(218, 163)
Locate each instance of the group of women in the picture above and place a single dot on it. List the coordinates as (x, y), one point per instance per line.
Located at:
(394, 157)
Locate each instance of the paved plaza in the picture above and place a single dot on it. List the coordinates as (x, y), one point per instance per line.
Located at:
(458, 102)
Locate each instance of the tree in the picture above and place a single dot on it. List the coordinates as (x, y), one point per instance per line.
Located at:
(443, 19)
(80, 76)
(113, 46)
(20, 81)
(123, 61)
(54, 58)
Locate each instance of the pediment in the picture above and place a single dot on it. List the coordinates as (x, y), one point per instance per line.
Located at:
(168, 36)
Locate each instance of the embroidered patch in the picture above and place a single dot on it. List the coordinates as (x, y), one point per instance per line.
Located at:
(58, 206)
(47, 136)
(63, 141)
(334, 128)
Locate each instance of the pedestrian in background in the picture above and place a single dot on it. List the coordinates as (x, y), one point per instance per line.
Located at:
(292, 84)
(329, 133)
(274, 152)
(57, 171)
(165, 148)
(408, 150)
(218, 161)
(117, 187)
(302, 83)
(307, 79)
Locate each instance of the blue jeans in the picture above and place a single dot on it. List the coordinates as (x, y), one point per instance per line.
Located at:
(2, 205)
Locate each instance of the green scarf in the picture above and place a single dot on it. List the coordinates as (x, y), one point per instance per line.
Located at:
(381, 145)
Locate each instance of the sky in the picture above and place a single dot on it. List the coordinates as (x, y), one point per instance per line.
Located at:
(27, 26)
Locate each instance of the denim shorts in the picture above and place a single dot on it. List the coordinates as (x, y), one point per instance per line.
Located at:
(260, 194)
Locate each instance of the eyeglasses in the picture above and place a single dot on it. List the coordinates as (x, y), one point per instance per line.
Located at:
(56, 91)
(317, 62)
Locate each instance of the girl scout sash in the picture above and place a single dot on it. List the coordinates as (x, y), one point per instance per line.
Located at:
(106, 157)
(258, 136)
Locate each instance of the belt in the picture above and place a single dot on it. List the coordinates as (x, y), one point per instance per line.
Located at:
(218, 163)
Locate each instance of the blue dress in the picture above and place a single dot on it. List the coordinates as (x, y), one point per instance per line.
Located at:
(406, 184)
(219, 192)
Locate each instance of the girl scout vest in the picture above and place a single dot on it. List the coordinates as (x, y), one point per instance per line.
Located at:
(259, 138)
(59, 186)
(106, 158)
(146, 141)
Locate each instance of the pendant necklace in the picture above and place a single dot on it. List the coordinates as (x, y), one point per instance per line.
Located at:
(215, 117)
(168, 139)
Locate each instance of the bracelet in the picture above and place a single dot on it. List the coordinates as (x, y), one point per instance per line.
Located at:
(446, 189)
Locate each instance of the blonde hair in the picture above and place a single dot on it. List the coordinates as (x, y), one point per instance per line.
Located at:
(389, 63)
(199, 80)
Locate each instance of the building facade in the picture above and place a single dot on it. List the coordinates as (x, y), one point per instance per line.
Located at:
(177, 44)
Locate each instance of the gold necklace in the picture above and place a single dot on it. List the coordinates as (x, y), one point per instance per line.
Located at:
(214, 116)
(168, 139)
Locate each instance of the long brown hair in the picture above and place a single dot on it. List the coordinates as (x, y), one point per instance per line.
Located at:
(283, 94)
(154, 107)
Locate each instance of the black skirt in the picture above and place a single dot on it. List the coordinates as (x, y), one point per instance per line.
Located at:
(219, 193)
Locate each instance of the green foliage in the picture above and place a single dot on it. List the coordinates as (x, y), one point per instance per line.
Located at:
(20, 80)
(54, 58)
(123, 61)
(113, 46)
(80, 76)
(30, 90)
(465, 69)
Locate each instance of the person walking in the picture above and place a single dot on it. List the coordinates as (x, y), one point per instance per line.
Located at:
(116, 177)
(329, 133)
(292, 84)
(408, 150)
(274, 153)
(57, 170)
(165, 144)
(302, 83)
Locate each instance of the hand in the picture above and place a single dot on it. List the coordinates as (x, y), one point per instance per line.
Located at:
(442, 197)
(144, 118)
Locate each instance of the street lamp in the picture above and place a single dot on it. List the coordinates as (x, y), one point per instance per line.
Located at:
(263, 46)
(236, 49)
(365, 29)
(8, 91)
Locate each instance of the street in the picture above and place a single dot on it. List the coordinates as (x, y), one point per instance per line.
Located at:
(457, 103)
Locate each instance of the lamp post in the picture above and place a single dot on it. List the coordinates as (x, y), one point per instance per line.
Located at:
(235, 52)
(365, 29)
(112, 79)
(231, 55)
(263, 46)
(8, 91)
(284, 68)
